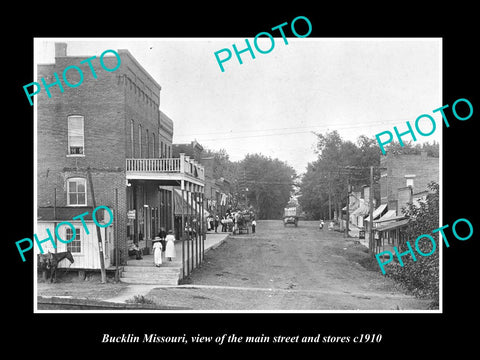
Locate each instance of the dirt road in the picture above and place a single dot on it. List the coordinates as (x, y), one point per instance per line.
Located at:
(290, 268)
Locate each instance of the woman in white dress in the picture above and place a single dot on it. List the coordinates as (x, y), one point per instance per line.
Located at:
(170, 247)
(157, 251)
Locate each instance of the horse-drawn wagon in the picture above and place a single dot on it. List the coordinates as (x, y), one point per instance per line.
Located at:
(243, 221)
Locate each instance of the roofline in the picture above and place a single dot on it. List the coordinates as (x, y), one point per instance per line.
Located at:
(129, 54)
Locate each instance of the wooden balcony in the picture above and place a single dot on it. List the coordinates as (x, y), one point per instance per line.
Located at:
(168, 169)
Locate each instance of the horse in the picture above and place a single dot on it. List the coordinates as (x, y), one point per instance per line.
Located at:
(55, 259)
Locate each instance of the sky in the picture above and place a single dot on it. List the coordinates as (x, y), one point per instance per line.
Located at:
(274, 103)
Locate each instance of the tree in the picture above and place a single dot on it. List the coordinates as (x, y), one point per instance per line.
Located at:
(339, 163)
(222, 166)
(267, 184)
(421, 277)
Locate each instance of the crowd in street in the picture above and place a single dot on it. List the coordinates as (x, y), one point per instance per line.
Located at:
(232, 221)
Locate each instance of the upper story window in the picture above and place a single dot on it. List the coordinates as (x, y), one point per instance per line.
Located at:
(140, 140)
(76, 136)
(132, 139)
(409, 179)
(77, 192)
(147, 138)
(154, 144)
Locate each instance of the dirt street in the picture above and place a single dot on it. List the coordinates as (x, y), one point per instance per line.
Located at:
(288, 268)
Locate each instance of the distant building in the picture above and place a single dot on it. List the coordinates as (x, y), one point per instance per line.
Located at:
(192, 149)
(405, 177)
(217, 190)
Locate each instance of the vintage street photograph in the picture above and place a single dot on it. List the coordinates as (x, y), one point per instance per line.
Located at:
(169, 178)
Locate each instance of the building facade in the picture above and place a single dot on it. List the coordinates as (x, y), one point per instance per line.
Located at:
(405, 177)
(107, 141)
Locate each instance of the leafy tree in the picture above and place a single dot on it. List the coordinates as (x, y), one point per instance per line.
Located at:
(265, 183)
(421, 277)
(269, 183)
(326, 178)
(222, 166)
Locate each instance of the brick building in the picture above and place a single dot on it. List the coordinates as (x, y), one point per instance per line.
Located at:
(217, 190)
(192, 149)
(405, 177)
(111, 127)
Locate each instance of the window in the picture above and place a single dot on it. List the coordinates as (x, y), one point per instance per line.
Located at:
(75, 246)
(140, 140)
(153, 145)
(148, 143)
(161, 149)
(132, 139)
(75, 135)
(77, 192)
(410, 179)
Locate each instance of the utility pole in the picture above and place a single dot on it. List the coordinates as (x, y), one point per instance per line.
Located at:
(117, 250)
(99, 233)
(370, 223)
(348, 206)
(329, 198)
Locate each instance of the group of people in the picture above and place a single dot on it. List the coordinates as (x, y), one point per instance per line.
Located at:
(163, 243)
(229, 221)
(213, 222)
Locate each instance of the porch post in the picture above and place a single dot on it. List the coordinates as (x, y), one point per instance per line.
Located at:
(190, 210)
(182, 231)
(202, 229)
(186, 222)
(196, 224)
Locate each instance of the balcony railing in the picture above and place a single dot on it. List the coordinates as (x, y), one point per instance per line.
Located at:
(181, 165)
(154, 165)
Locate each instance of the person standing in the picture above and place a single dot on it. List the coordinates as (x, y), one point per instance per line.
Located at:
(157, 251)
(162, 234)
(217, 220)
(254, 225)
(170, 248)
(224, 223)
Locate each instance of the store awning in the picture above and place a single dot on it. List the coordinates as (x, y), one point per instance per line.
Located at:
(188, 203)
(377, 212)
(387, 216)
(394, 225)
(362, 210)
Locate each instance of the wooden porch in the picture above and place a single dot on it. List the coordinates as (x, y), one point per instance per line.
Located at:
(168, 169)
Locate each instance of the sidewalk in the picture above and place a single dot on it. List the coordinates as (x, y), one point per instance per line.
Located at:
(211, 242)
(215, 239)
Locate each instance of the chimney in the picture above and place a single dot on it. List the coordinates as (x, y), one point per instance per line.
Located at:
(60, 49)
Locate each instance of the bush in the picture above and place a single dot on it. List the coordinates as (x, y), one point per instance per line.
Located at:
(420, 277)
(140, 299)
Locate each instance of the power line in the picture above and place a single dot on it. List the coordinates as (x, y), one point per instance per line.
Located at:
(326, 127)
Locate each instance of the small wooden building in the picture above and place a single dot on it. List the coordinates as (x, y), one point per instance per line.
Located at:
(84, 246)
